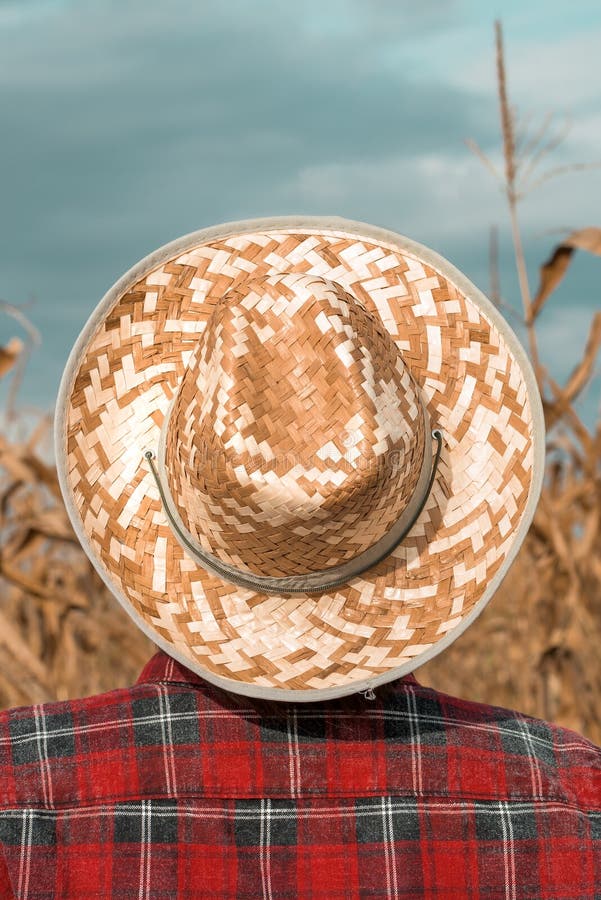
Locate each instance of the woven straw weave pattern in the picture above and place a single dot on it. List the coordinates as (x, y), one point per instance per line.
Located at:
(287, 370)
(473, 389)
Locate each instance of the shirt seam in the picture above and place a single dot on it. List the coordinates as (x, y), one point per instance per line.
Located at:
(74, 807)
(276, 795)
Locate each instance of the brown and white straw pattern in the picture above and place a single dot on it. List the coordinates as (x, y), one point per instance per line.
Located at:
(264, 447)
(297, 435)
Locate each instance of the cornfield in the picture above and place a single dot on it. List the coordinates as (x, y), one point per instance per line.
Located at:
(535, 648)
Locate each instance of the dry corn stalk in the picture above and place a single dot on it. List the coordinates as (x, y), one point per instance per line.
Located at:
(545, 663)
(61, 634)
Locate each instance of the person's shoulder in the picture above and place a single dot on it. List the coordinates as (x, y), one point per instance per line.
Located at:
(534, 755)
(43, 747)
(457, 712)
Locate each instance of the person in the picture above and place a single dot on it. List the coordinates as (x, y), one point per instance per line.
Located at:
(302, 453)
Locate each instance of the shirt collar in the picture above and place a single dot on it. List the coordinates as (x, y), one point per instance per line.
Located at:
(164, 668)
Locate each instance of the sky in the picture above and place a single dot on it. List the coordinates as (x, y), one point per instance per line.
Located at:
(127, 124)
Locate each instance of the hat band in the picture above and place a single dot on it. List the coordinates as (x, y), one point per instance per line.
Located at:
(310, 581)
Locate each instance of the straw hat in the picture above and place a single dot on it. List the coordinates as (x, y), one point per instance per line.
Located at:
(301, 452)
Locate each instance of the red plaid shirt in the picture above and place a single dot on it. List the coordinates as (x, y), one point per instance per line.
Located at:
(174, 788)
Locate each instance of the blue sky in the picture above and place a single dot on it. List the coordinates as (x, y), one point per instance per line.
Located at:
(127, 124)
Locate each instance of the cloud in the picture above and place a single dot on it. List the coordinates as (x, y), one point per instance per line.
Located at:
(560, 72)
(393, 21)
(17, 13)
(128, 123)
(437, 196)
(119, 122)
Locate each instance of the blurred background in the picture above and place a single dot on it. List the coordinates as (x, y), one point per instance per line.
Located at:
(127, 124)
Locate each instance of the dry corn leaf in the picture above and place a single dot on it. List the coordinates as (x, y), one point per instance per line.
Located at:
(579, 378)
(552, 272)
(9, 355)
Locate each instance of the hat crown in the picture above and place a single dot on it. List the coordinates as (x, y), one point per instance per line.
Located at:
(296, 438)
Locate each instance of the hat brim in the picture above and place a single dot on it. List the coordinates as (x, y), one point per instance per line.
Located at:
(476, 382)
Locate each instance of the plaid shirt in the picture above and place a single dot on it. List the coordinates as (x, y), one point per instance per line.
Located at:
(174, 788)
